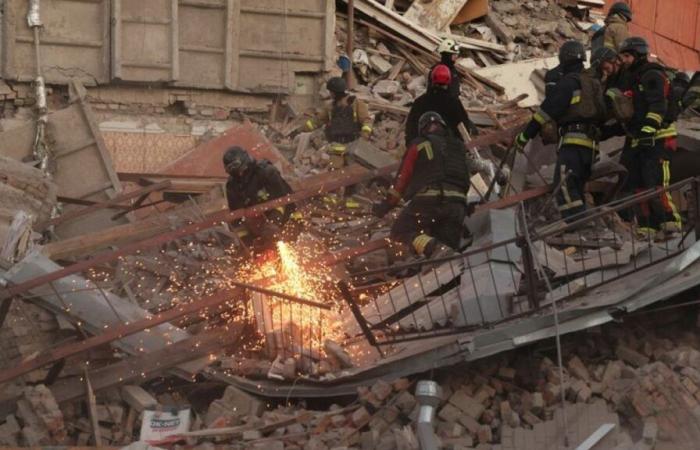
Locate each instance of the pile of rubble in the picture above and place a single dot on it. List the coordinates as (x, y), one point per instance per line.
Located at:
(645, 384)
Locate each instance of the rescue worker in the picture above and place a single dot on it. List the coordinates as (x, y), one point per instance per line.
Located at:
(653, 137)
(437, 98)
(251, 182)
(573, 111)
(346, 119)
(616, 28)
(434, 177)
(449, 52)
(606, 62)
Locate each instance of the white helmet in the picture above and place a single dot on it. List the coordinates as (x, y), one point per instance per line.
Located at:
(448, 46)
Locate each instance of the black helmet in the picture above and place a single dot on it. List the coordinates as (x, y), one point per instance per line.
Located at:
(336, 85)
(571, 51)
(428, 118)
(635, 45)
(236, 160)
(602, 54)
(622, 9)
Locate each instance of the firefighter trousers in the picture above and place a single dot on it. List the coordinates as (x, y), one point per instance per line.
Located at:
(427, 218)
(574, 164)
(652, 170)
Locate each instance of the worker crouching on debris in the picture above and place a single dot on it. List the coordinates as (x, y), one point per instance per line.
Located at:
(346, 119)
(572, 113)
(653, 137)
(438, 98)
(434, 177)
(251, 182)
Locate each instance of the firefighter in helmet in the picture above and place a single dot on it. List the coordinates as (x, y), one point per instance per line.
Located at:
(434, 178)
(346, 119)
(252, 182)
(571, 115)
(449, 52)
(653, 137)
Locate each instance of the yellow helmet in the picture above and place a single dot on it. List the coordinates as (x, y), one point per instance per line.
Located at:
(448, 46)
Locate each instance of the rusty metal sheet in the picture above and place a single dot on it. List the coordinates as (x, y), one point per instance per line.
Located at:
(145, 40)
(677, 22)
(205, 159)
(74, 41)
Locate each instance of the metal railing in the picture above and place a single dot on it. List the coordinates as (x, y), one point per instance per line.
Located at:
(494, 283)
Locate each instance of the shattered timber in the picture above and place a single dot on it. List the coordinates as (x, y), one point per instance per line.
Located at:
(137, 311)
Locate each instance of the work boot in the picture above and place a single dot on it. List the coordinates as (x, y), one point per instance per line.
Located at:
(645, 233)
(671, 227)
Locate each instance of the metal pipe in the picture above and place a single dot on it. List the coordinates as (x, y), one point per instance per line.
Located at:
(349, 42)
(428, 395)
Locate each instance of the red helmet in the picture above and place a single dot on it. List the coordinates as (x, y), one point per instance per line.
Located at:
(441, 75)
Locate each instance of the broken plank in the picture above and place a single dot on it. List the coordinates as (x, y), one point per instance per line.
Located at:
(96, 206)
(115, 333)
(148, 365)
(475, 44)
(498, 28)
(92, 408)
(436, 15)
(156, 230)
(398, 24)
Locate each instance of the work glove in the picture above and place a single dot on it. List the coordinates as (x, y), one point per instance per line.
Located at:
(366, 132)
(520, 142)
(381, 209)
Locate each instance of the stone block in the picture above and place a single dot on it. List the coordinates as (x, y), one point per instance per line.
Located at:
(242, 403)
(630, 356)
(467, 404)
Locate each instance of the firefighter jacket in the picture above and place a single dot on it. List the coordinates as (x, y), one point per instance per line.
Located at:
(576, 105)
(262, 182)
(442, 102)
(551, 78)
(616, 31)
(651, 91)
(434, 166)
(456, 83)
(344, 119)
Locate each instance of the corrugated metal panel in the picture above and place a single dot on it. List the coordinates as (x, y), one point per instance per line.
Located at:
(677, 21)
(74, 41)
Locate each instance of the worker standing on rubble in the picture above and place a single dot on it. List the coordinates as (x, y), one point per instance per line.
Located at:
(616, 28)
(653, 137)
(438, 98)
(572, 112)
(434, 177)
(346, 119)
(251, 182)
(449, 52)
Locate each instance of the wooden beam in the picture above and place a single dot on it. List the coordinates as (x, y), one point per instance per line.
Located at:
(148, 365)
(92, 409)
(102, 205)
(116, 333)
(159, 226)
